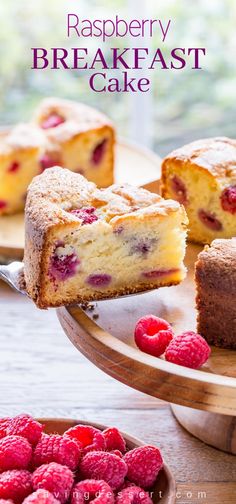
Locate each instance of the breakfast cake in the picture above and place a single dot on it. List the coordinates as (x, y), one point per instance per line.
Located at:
(85, 244)
(215, 276)
(202, 176)
(82, 136)
(21, 149)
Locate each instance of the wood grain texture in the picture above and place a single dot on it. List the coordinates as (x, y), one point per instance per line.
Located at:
(43, 374)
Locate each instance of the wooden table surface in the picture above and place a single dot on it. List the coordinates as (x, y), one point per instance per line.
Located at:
(43, 374)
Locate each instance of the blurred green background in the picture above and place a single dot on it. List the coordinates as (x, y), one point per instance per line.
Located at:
(183, 105)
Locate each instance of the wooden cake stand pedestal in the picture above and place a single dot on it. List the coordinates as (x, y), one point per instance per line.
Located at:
(203, 401)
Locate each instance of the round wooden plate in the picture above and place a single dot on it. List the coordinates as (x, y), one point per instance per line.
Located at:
(164, 490)
(134, 165)
(105, 336)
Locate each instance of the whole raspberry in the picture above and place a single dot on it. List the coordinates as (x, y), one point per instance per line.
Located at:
(87, 215)
(144, 464)
(152, 335)
(88, 437)
(188, 349)
(55, 478)
(41, 497)
(98, 492)
(114, 440)
(228, 199)
(15, 453)
(133, 495)
(15, 485)
(104, 466)
(25, 426)
(56, 448)
(4, 422)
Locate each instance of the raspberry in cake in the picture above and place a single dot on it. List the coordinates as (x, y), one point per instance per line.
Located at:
(215, 276)
(85, 244)
(202, 176)
(82, 136)
(20, 152)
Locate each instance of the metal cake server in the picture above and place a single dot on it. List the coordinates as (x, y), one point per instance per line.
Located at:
(13, 275)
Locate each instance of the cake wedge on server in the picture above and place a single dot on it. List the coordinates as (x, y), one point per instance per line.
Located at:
(85, 244)
(202, 176)
(82, 136)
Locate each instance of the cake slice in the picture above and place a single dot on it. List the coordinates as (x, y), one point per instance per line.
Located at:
(202, 176)
(215, 277)
(21, 149)
(85, 244)
(82, 136)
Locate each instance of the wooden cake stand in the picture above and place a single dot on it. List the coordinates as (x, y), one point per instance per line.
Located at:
(164, 491)
(203, 401)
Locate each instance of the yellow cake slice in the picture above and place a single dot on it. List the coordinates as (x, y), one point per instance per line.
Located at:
(21, 149)
(83, 137)
(84, 244)
(202, 176)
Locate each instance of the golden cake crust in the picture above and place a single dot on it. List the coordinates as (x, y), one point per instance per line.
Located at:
(216, 156)
(53, 194)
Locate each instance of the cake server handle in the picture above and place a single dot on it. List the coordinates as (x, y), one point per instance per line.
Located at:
(13, 275)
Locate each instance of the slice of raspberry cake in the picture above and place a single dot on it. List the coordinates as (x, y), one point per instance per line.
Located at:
(21, 149)
(85, 244)
(202, 176)
(83, 137)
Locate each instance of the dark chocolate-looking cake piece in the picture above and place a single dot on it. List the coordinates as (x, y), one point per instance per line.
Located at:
(215, 276)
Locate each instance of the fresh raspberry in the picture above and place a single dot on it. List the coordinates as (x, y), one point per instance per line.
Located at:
(188, 349)
(104, 466)
(152, 335)
(25, 426)
(144, 464)
(209, 220)
(15, 453)
(114, 440)
(15, 485)
(98, 492)
(89, 437)
(4, 422)
(87, 215)
(40, 497)
(99, 152)
(55, 478)
(228, 199)
(52, 121)
(133, 495)
(56, 448)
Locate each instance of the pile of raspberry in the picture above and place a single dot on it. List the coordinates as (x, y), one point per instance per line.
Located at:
(82, 465)
(156, 337)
